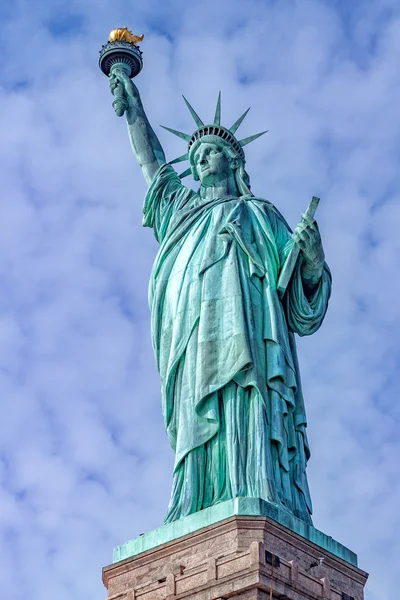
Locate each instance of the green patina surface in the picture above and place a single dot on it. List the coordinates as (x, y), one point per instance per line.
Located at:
(252, 507)
(223, 328)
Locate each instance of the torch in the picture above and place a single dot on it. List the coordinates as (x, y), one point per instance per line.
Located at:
(121, 52)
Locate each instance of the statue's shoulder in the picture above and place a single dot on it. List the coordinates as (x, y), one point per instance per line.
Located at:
(167, 181)
(271, 211)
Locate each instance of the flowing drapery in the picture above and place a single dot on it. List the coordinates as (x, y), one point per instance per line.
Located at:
(225, 349)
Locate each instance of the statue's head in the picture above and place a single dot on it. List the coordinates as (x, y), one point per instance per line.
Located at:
(214, 161)
(218, 147)
(211, 164)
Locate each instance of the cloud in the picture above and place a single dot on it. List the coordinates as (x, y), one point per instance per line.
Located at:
(84, 460)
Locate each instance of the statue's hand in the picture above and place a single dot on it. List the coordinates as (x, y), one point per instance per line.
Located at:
(306, 235)
(119, 77)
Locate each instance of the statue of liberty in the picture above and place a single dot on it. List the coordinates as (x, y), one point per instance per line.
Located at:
(223, 336)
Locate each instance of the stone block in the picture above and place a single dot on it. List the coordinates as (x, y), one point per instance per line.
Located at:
(243, 558)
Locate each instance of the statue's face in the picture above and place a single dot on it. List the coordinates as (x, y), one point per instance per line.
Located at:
(211, 163)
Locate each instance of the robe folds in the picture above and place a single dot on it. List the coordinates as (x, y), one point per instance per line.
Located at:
(225, 348)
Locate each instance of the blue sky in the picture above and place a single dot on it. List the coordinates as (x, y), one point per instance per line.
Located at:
(84, 460)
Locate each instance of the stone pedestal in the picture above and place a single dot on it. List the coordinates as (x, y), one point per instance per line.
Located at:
(241, 557)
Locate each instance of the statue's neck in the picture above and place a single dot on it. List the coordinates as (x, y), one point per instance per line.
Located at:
(224, 188)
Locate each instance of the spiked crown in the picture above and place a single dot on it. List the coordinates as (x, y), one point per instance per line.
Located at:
(211, 133)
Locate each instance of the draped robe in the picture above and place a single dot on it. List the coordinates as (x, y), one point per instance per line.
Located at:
(225, 348)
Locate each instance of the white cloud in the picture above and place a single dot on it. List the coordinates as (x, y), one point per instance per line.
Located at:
(84, 460)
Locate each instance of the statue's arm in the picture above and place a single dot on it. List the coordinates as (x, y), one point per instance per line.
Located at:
(145, 144)
(306, 299)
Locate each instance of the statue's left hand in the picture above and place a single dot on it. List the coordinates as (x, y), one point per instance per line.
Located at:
(306, 235)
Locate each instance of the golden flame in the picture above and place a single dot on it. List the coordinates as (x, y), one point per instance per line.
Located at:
(123, 34)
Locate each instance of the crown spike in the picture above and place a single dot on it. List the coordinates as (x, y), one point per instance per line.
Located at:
(238, 123)
(217, 117)
(179, 159)
(194, 114)
(185, 173)
(184, 136)
(250, 139)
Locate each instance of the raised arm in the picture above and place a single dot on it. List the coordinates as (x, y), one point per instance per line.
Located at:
(145, 144)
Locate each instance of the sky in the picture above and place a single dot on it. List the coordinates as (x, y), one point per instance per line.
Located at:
(85, 463)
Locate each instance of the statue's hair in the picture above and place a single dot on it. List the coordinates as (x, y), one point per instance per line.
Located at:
(241, 176)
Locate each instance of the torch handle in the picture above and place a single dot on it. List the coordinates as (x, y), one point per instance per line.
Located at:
(118, 58)
(120, 102)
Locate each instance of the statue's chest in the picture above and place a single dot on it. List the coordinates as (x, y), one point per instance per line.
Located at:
(222, 228)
